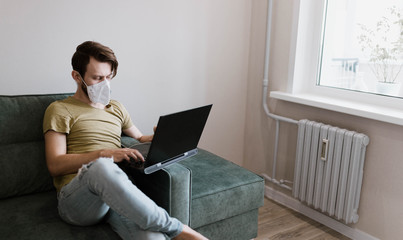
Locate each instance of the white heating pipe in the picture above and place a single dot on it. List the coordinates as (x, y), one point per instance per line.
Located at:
(266, 69)
(266, 108)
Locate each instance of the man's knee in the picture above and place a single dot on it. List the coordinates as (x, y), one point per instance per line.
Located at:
(103, 163)
(104, 167)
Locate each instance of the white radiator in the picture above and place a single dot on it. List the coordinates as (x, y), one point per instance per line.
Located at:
(329, 168)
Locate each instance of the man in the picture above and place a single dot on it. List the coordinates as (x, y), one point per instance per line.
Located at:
(82, 140)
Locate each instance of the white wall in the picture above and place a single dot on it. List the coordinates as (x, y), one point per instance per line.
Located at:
(183, 53)
(381, 209)
(173, 55)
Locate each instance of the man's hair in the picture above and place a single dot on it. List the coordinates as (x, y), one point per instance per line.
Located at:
(88, 49)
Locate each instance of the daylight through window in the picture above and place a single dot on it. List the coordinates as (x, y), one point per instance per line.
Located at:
(362, 46)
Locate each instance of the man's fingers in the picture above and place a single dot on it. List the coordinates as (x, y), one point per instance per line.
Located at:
(137, 155)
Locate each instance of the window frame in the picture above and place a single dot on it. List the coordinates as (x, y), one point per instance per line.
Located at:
(304, 64)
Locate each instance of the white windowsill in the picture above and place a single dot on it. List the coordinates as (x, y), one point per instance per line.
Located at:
(383, 114)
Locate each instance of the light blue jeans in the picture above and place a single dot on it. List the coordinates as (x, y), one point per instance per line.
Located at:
(101, 190)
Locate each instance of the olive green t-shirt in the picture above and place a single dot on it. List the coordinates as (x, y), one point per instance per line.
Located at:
(87, 129)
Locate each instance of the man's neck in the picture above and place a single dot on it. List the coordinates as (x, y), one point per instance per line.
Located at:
(82, 97)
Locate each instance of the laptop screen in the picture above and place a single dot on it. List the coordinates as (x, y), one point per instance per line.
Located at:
(178, 133)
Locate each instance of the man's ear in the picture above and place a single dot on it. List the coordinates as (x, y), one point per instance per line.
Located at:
(76, 76)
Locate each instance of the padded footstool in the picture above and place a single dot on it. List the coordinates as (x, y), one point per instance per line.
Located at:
(212, 195)
(225, 197)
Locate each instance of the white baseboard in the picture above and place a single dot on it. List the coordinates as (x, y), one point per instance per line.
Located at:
(297, 206)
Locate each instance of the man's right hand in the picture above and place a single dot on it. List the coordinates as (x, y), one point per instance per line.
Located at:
(122, 154)
(60, 163)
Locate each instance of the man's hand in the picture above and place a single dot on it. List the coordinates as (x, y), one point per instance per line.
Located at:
(122, 154)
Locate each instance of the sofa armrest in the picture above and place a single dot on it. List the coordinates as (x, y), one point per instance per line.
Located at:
(128, 141)
(170, 188)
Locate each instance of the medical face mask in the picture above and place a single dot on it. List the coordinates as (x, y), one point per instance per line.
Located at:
(100, 92)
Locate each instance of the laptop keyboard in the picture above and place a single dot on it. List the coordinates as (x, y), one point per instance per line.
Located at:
(143, 149)
(136, 164)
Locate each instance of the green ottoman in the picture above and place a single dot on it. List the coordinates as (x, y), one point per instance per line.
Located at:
(214, 196)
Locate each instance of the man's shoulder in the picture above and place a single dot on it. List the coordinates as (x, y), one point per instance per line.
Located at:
(61, 105)
(116, 103)
(56, 103)
(117, 107)
(62, 101)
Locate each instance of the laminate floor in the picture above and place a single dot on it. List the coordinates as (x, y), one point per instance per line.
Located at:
(278, 222)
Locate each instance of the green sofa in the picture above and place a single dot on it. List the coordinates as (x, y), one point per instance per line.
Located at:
(211, 194)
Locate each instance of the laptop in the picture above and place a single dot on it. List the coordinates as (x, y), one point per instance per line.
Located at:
(175, 139)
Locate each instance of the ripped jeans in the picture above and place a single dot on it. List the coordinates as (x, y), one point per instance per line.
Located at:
(102, 190)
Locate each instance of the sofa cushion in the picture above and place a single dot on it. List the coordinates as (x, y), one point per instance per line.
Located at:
(35, 216)
(22, 152)
(21, 117)
(23, 169)
(221, 189)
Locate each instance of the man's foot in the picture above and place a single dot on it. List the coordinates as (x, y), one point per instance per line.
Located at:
(189, 234)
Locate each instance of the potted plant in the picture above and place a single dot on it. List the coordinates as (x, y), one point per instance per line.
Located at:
(384, 45)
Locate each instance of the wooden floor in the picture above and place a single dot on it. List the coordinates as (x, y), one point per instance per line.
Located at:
(279, 222)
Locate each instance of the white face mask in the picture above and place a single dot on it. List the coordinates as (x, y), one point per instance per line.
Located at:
(100, 92)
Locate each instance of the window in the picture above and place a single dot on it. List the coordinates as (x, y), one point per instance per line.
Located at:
(362, 46)
(330, 67)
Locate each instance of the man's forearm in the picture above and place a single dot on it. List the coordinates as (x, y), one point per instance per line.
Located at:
(70, 163)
